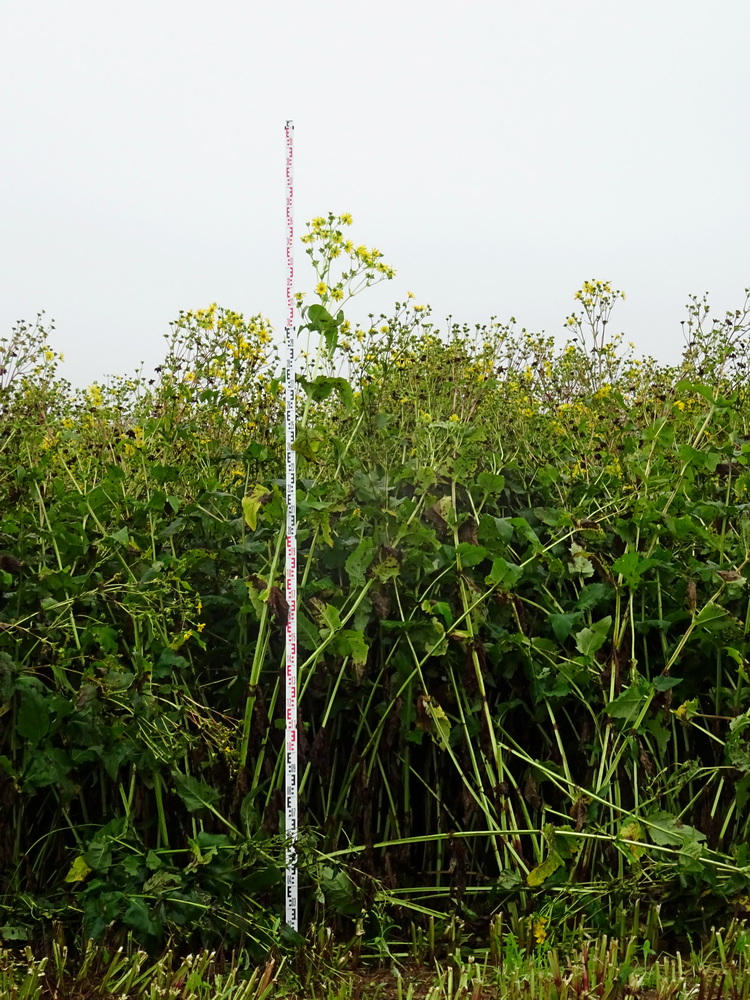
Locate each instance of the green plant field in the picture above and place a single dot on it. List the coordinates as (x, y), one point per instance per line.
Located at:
(524, 635)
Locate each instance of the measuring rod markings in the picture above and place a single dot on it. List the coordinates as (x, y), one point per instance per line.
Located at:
(292, 891)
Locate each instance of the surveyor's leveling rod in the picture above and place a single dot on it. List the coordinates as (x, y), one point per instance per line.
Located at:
(292, 891)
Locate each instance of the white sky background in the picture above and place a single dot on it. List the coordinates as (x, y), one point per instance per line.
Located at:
(497, 153)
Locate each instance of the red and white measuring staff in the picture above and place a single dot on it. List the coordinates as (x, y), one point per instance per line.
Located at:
(292, 891)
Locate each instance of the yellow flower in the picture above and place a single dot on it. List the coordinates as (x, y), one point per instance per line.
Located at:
(95, 395)
(321, 288)
(540, 929)
(345, 219)
(454, 418)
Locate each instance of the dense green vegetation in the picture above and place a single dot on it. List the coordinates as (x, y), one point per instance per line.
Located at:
(524, 631)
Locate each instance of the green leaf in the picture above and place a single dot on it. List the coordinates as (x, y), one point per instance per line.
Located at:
(542, 872)
(664, 683)
(194, 793)
(352, 642)
(160, 882)
(632, 830)
(592, 595)
(121, 536)
(590, 640)
(562, 625)
(494, 531)
(251, 504)
(165, 473)
(386, 569)
(441, 608)
(359, 561)
(78, 870)
(471, 555)
(331, 617)
(308, 443)
(579, 563)
(32, 720)
(666, 829)
(687, 710)
(319, 320)
(628, 704)
(632, 567)
(709, 613)
(14, 932)
(504, 574)
(340, 892)
(324, 385)
(138, 916)
(441, 727)
(491, 483)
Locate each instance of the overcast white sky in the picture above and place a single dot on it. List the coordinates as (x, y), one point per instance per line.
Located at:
(498, 153)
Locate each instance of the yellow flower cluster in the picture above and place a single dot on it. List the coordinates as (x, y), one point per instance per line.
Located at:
(325, 232)
(95, 395)
(540, 929)
(592, 290)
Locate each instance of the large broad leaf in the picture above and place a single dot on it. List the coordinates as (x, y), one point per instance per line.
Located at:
(543, 871)
(308, 443)
(351, 642)
(562, 625)
(339, 891)
(579, 562)
(665, 828)
(78, 870)
(194, 793)
(138, 916)
(323, 386)
(359, 561)
(504, 574)
(632, 830)
(709, 613)
(590, 640)
(628, 704)
(326, 615)
(471, 555)
(388, 568)
(32, 720)
(665, 683)
(490, 482)
(319, 320)
(632, 567)
(593, 594)
(251, 504)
